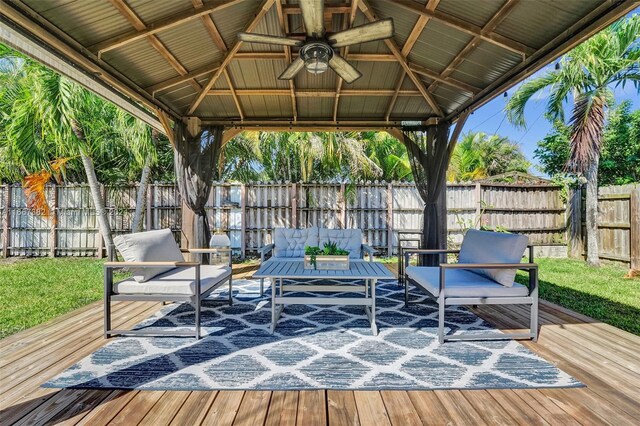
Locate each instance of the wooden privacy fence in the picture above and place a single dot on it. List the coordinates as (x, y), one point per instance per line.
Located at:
(249, 213)
(618, 224)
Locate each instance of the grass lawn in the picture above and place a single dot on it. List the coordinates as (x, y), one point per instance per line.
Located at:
(33, 291)
(601, 293)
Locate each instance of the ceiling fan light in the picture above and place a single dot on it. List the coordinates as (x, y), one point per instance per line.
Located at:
(316, 57)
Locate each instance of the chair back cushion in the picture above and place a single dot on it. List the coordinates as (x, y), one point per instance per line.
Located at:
(347, 239)
(289, 242)
(493, 247)
(156, 246)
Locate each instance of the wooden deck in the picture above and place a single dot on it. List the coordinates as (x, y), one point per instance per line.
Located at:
(606, 359)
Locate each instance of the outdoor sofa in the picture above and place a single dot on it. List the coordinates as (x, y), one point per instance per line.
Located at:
(485, 273)
(289, 243)
(160, 273)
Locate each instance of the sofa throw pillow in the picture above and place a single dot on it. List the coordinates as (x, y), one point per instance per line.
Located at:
(159, 246)
(289, 242)
(347, 239)
(493, 247)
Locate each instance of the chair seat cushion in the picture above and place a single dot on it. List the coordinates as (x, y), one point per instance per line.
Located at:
(462, 283)
(178, 281)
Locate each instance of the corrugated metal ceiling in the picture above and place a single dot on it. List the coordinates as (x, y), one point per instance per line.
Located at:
(532, 23)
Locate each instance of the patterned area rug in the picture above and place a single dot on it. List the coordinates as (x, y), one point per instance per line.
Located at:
(314, 347)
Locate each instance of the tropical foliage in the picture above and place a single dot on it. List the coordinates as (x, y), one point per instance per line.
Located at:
(478, 156)
(620, 155)
(586, 76)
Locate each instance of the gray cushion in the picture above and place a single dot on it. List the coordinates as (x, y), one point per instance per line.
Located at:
(347, 239)
(493, 247)
(178, 281)
(158, 246)
(289, 242)
(462, 283)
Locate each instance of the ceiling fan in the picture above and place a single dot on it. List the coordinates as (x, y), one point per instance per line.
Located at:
(317, 52)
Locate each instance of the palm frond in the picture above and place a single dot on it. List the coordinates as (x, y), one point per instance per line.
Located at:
(587, 123)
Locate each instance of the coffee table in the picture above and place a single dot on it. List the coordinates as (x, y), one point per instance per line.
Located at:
(293, 269)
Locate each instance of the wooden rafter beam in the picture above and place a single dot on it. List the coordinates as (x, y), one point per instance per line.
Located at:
(328, 9)
(406, 49)
(467, 27)
(450, 81)
(233, 94)
(313, 93)
(491, 25)
(161, 25)
(137, 23)
(262, 10)
(393, 46)
(166, 125)
(211, 27)
(345, 55)
(284, 27)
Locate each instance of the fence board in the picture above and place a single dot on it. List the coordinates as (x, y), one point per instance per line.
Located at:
(249, 213)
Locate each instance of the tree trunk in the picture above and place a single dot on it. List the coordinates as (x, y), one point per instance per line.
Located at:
(98, 202)
(591, 175)
(136, 225)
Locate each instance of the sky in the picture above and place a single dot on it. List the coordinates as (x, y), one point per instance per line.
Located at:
(490, 118)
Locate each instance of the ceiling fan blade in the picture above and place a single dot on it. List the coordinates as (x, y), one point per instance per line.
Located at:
(378, 30)
(292, 69)
(344, 69)
(268, 39)
(313, 16)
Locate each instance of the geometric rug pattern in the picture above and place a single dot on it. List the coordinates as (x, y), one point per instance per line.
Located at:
(313, 347)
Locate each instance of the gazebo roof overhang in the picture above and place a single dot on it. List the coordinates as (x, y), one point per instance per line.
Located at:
(175, 59)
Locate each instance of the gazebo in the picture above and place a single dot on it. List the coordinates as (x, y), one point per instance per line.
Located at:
(179, 66)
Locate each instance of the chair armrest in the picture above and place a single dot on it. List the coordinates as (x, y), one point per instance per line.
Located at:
(523, 266)
(113, 265)
(208, 250)
(368, 250)
(264, 250)
(407, 252)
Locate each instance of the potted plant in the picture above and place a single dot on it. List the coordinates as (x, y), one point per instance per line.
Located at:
(329, 257)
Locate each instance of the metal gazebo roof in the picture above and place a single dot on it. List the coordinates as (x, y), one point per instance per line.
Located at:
(181, 58)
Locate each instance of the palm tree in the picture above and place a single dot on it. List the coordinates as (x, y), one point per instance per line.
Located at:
(478, 156)
(47, 116)
(586, 74)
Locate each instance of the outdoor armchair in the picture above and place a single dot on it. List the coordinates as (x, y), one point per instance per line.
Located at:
(160, 275)
(483, 282)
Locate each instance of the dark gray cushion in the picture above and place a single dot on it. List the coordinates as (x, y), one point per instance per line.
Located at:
(493, 247)
(158, 246)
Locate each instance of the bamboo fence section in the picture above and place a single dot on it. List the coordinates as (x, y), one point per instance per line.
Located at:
(249, 213)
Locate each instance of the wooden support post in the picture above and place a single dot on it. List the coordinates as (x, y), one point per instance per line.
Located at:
(634, 221)
(478, 202)
(6, 229)
(150, 198)
(389, 220)
(243, 220)
(575, 244)
(294, 205)
(343, 206)
(53, 225)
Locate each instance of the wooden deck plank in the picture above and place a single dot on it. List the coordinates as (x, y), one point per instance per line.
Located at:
(601, 356)
(194, 408)
(283, 409)
(224, 409)
(371, 409)
(253, 408)
(341, 407)
(166, 408)
(400, 409)
(312, 408)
